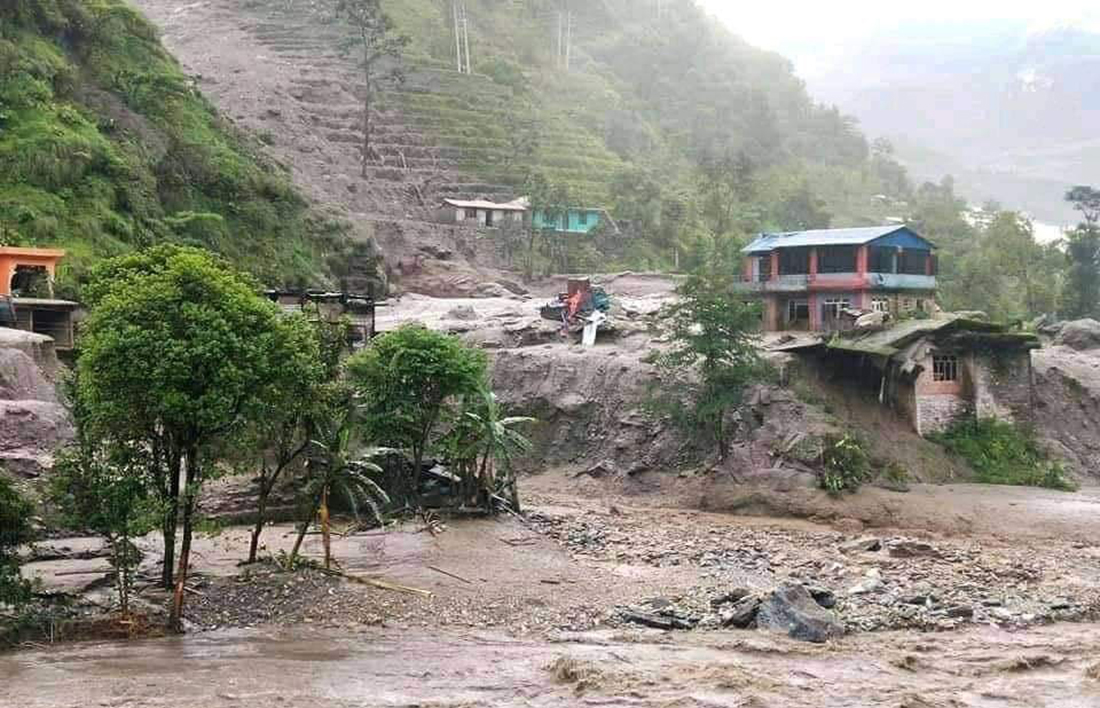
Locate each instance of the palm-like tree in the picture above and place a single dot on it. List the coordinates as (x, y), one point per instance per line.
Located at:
(494, 444)
(334, 466)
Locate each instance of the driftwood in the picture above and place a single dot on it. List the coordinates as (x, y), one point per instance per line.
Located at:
(449, 574)
(382, 584)
(100, 571)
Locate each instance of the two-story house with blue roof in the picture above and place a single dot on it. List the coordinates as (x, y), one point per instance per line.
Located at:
(806, 278)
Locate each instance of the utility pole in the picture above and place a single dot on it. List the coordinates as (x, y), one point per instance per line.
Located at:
(559, 37)
(466, 38)
(458, 35)
(568, 40)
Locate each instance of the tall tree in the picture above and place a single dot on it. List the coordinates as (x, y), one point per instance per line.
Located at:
(406, 379)
(282, 415)
(714, 351)
(175, 349)
(1082, 296)
(375, 42)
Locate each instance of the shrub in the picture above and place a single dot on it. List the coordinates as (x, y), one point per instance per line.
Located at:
(15, 530)
(1003, 453)
(845, 465)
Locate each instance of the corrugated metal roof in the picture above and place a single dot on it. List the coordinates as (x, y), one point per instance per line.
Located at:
(820, 237)
(517, 205)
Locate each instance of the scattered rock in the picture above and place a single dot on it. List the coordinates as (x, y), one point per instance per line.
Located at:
(871, 582)
(909, 549)
(1081, 335)
(465, 313)
(733, 596)
(861, 545)
(961, 612)
(791, 609)
(1093, 672)
(823, 596)
(742, 615)
(656, 621)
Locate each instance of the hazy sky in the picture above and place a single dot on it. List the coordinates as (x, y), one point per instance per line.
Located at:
(809, 30)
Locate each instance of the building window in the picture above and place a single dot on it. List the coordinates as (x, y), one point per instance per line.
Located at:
(471, 213)
(794, 261)
(582, 218)
(945, 367)
(836, 259)
(880, 304)
(798, 311)
(880, 260)
(830, 309)
(913, 262)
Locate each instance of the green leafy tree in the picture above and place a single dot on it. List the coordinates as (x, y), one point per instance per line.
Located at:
(283, 413)
(15, 530)
(1082, 296)
(375, 41)
(407, 380)
(175, 350)
(104, 486)
(714, 352)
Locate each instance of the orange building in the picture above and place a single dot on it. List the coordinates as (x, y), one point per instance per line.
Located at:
(27, 277)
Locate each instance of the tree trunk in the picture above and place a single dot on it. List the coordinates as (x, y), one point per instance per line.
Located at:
(261, 511)
(175, 617)
(302, 530)
(325, 537)
(171, 517)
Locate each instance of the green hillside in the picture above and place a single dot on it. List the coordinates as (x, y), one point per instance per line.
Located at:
(105, 145)
(651, 120)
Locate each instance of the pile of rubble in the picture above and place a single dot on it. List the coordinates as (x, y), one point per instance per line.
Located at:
(871, 583)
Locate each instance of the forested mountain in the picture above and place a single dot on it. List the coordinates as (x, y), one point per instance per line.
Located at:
(1007, 107)
(105, 145)
(689, 136)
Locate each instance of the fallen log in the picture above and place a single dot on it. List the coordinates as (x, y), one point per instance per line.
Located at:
(99, 571)
(382, 584)
(452, 575)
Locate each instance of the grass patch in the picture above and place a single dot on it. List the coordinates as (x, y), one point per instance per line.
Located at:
(1003, 453)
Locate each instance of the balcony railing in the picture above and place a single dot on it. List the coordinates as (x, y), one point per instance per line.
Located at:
(801, 283)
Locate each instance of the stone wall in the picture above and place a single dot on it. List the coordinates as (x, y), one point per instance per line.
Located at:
(935, 412)
(1003, 385)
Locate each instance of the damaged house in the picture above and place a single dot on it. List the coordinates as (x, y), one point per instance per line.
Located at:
(934, 371)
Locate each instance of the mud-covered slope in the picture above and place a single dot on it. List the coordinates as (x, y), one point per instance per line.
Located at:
(1067, 387)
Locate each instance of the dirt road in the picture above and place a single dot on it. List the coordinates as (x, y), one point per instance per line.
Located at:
(983, 668)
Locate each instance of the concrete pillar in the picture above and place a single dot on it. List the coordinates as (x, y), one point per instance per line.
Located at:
(815, 313)
(775, 265)
(813, 264)
(928, 264)
(7, 270)
(861, 262)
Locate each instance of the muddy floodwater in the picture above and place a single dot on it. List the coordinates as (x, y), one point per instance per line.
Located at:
(982, 667)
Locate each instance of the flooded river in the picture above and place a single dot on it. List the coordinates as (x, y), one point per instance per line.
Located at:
(984, 667)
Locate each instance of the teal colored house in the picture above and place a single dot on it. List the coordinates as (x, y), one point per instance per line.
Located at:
(576, 220)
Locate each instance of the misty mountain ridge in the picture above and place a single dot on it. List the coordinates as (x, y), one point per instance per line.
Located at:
(1014, 105)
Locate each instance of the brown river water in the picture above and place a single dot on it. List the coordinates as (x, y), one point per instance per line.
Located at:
(301, 666)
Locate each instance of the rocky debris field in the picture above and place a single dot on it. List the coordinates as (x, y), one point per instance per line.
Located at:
(871, 583)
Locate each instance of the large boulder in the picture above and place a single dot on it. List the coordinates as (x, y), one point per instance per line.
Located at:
(791, 609)
(1081, 335)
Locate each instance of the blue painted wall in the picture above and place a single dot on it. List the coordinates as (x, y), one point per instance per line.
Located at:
(903, 238)
(577, 221)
